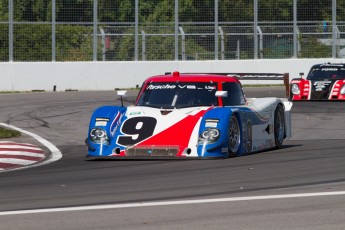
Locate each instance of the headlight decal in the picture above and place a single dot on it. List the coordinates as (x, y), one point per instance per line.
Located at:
(213, 131)
(209, 136)
(342, 91)
(99, 136)
(295, 89)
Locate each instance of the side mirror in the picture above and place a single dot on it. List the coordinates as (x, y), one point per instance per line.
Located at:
(121, 93)
(301, 75)
(221, 93)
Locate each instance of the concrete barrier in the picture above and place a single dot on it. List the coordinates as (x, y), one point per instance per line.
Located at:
(82, 76)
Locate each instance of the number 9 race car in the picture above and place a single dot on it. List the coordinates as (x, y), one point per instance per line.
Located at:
(184, 116)
(324, 82)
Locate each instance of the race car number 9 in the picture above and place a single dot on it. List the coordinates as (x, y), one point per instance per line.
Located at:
(136, 129)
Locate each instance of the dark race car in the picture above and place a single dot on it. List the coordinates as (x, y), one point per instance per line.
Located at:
(324, 82)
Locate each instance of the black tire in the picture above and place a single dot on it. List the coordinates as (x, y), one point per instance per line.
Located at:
(279, 126)
(234, 135)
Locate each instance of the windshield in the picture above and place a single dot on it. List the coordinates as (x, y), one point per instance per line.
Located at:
(327, 72)
(178, 95)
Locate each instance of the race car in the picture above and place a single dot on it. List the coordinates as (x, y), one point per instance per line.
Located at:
(324, 82)
(186, 116)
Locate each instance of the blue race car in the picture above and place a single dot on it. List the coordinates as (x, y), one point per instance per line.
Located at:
(187, 116)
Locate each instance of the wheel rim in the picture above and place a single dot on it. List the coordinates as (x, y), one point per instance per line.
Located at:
(234, 135)
(279, 127)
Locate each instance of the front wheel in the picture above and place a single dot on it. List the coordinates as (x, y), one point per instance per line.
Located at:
(234, 135)
(279, 126)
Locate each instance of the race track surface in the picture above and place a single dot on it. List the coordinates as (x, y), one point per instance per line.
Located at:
(308, 174)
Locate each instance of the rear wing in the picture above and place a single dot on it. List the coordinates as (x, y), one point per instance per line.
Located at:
(260, 76)
(257, 76)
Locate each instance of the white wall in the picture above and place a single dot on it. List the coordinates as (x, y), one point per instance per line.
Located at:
(27, 76)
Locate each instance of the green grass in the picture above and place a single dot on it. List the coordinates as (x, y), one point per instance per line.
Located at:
(7, 133)
(7, 92)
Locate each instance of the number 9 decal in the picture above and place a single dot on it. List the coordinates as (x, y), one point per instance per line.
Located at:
(136, 129)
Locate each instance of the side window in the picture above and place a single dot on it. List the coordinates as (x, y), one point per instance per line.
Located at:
(235, 94)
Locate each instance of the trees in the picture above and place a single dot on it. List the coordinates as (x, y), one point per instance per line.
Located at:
(32, 30)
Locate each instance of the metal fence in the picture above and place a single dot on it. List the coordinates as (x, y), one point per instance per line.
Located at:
(158, 30)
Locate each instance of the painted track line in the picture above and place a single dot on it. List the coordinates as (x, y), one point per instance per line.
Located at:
(55, 152)
(10, 153)
(16, 145)
(17, 161)
(167, 203)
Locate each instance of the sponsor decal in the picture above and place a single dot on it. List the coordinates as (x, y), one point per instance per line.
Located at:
(210, 87)
(322, 82)
(329, 69)
(225, 150)
(212, 120)
(187, 86)
(339, 65)
(211, 123)
(166, 86)
(135, 113)
(320, 85)
(101, 121)
(115, 124)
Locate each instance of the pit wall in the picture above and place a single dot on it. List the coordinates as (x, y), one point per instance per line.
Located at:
(86, 76)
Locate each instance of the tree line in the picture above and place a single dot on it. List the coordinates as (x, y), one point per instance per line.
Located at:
(74, 41)
(163, 10)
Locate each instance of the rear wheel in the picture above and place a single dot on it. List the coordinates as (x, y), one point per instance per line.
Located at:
(234, 136)
(279, 126)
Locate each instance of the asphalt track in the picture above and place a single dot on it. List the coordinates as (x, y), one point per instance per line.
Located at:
(300, 186)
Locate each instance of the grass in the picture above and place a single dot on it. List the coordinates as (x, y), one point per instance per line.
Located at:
(8, 92)
(8, 133)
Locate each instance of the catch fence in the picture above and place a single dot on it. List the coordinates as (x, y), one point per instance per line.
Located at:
(165, 30)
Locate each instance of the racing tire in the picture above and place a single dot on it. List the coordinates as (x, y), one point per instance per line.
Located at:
(279, 126)
(234, 136)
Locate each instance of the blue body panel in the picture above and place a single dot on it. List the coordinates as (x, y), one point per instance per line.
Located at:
(115, 116)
